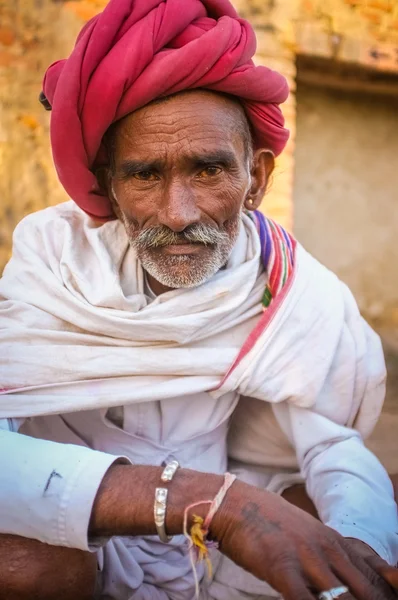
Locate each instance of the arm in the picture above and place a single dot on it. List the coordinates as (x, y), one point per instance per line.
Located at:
(29, 568)
(116, 513)
(349, 487)
(353, 494)
(50, 491)
(250, 525)
(45, 493)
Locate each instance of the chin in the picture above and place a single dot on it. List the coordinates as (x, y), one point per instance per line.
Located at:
(181, 271)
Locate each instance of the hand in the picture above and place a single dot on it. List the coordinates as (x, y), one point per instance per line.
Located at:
(383, 569)
(296, 554)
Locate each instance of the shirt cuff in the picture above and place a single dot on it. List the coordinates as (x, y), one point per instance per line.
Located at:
(78, 498)
(47, 489)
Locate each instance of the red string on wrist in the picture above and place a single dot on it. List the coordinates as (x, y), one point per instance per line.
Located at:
(199, 545)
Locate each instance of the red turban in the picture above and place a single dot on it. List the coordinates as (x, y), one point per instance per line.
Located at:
(138, 50)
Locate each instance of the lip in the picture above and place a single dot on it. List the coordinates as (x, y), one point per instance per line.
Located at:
(181, 249)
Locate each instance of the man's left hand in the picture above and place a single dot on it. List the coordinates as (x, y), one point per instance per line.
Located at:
(378, 568)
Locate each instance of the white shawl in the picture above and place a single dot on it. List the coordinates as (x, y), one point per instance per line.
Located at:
(77, 332)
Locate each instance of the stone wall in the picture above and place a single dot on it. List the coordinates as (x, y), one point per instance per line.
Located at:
(34, 33)
(361, 32)
(346, 192)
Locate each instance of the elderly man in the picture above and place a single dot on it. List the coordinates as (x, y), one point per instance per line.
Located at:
(160, 332)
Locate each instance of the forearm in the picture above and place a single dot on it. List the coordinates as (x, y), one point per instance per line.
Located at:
(349, 487)
(47, 489)
(353, 494)
(125, 499)
(58, 493)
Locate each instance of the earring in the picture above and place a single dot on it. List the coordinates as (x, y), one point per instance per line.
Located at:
(250, 201)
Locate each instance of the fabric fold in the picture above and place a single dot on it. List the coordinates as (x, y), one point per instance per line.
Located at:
(137, 51)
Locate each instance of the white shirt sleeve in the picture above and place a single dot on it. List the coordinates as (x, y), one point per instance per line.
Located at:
(48, 489)
(348, 485)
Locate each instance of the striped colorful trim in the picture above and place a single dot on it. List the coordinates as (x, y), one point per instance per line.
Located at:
(277, 254)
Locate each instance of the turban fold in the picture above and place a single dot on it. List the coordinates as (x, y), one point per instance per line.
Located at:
(136, 51)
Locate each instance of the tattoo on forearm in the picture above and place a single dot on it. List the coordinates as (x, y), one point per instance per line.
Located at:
(251, 514)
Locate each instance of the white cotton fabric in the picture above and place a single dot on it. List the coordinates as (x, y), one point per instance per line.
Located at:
(75, 292)
(79, 336)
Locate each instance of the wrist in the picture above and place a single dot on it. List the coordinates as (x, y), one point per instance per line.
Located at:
(239, 505)
(189, 487)
(125, 501)
(228, 514)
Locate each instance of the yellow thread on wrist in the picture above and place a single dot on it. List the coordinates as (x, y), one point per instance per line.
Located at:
(198, 537)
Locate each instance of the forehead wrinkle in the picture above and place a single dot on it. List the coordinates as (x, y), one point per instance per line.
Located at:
(179, 130)
(184, 119)
(178, 149)
(147, 145)
(170, 114)
(177, 152)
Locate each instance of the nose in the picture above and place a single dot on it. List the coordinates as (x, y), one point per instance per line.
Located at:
(179, 207)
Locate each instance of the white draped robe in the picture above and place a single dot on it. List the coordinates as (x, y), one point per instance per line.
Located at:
(202, 374)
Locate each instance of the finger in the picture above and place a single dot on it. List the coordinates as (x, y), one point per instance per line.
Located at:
(318, 571)
(377, 571)
(388, 573)
(322, 579)
(294, 587)
(363, 582)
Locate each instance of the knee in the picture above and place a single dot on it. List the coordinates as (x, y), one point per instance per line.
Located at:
(31, 570)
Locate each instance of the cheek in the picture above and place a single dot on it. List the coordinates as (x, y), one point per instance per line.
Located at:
(222, 202)
(139, 205)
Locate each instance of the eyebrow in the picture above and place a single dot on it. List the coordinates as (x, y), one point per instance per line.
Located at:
(222, 158)
(131, 167)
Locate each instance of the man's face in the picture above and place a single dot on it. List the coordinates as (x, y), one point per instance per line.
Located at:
(181, 173)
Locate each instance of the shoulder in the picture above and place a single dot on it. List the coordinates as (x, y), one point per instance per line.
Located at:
(326, 295)
(49, 226)
(66, 212)
(64, 235)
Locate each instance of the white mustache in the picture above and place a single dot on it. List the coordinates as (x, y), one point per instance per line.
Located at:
(160, 236)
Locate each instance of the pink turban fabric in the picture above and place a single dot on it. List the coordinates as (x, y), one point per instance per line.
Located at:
(138, 50)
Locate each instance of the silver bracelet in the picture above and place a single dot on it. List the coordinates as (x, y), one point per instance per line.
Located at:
(160, 505)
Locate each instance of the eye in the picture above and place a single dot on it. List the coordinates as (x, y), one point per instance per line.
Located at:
(210, 171)
(145, 176)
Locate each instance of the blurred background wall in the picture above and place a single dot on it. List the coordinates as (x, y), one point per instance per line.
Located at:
(336, 185)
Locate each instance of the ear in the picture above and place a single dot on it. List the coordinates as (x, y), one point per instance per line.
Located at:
(262, 166)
